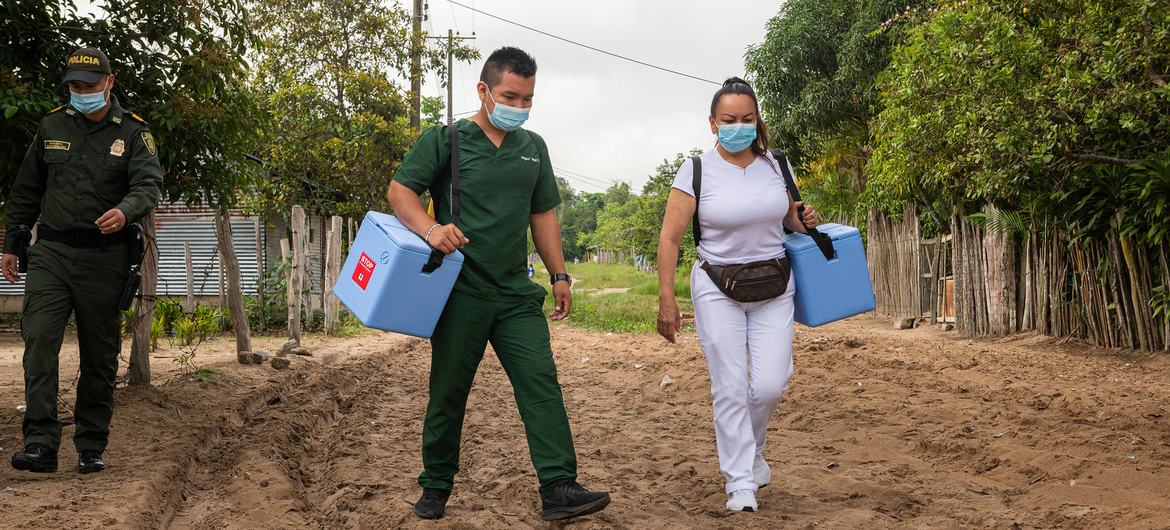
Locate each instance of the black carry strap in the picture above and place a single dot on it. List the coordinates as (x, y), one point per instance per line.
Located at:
(697, 185)
(823, 241)
(436, 259)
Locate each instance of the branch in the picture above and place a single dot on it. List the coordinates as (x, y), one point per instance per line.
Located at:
(1100, 159)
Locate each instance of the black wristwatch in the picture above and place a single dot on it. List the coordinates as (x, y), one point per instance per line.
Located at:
(554, 278)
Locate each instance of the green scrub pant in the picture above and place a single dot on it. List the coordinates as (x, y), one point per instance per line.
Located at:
(519, 334)
(87, 282)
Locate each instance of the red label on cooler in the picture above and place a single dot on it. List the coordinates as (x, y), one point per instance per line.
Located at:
(363, 271)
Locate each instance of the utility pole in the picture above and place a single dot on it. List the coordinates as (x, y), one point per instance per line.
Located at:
(416, 47)
(451, 40)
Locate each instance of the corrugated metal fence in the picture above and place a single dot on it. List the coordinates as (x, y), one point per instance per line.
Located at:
(178, 224)
(200, 234)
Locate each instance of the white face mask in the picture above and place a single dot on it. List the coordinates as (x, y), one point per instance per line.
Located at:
(90, 103)
(507, 118)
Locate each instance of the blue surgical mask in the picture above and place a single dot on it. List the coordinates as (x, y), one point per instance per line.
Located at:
(736, 137)
(87, 103)
(507, 118)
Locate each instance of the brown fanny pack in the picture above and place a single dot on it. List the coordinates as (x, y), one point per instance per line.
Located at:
(751, 282)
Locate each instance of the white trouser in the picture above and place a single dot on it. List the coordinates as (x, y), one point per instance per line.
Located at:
(749, 356)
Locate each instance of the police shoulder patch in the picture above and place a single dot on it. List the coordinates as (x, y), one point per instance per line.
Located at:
(148, 141)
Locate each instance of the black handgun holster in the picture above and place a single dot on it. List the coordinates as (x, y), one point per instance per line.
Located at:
(136, 247)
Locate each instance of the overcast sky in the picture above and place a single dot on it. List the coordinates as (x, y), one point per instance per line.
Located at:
(602, 117)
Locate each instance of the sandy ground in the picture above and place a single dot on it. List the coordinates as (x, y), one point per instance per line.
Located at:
(880, 429)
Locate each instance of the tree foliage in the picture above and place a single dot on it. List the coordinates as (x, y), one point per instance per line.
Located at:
(630, 223)
(180, 65)
(815, 74)
(329, 74)
(1055, 107)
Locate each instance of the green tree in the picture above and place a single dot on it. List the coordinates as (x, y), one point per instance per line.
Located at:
(179, 66)
(631, 223)
(816, 74)
(1014, 103)
(578, 221)
(340, 121)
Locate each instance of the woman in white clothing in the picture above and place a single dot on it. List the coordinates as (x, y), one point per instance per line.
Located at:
(743, 206)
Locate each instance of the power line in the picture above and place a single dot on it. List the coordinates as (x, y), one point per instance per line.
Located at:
(599, 181)
(599, 50)
(581, 179)
(583, 185)
(584, 178)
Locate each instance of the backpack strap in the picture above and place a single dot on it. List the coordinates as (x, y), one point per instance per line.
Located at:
(454, 163)
(697, 186)
(437, 256)
(823, 241)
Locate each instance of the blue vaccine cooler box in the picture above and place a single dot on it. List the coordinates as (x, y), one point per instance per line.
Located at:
(384, 280)
(829, 290)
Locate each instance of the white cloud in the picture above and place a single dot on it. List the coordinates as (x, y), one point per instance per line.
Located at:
(603, 117)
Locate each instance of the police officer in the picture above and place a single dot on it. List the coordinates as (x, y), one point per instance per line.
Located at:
(91, 170)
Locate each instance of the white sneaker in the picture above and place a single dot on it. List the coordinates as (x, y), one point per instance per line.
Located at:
(742, 501)
(761, 472)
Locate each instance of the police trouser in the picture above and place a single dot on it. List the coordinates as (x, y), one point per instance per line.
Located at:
(86, 282)
(519, 334)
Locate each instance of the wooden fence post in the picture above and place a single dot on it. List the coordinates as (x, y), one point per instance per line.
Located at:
(261, 270)
(332, 268)
(296, 274)
(230, 266)
(189, 306)
(139, 371)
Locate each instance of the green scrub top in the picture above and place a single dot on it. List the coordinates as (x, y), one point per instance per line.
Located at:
(500, 189)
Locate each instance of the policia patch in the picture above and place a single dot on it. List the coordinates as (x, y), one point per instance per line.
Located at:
(57, 144)
(148, 139)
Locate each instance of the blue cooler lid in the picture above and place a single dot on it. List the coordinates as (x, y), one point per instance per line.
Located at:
(406, 240)
(798, 242)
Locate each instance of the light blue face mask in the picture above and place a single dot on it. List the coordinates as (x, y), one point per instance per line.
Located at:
(88, 103)
(735, 137)
(506, 118)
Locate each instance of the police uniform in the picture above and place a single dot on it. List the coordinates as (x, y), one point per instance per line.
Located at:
(75, 171)
(493, 299)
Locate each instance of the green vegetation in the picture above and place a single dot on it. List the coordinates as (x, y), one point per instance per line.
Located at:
(1042, 121)
(815, 74)
(617, 298)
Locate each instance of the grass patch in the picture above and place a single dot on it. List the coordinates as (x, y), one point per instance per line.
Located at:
(204, 376)
(600, 276)
(682, 288)
(634, 311)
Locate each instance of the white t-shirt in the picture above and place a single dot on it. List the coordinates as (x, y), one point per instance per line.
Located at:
(742, 210)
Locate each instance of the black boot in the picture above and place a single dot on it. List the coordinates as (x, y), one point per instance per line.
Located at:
(90, 462)
(432, 504)
(37, 458)
(569, 499)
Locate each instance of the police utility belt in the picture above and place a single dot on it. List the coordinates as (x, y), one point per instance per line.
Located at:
(84, 238)
(131, 236)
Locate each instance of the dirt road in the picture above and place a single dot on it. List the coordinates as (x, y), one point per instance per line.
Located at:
(880, 429)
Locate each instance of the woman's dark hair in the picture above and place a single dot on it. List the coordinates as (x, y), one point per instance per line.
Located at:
(737, 86)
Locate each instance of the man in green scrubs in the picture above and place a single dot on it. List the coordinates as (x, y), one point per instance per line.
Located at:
(507, 186)
(92, 170)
